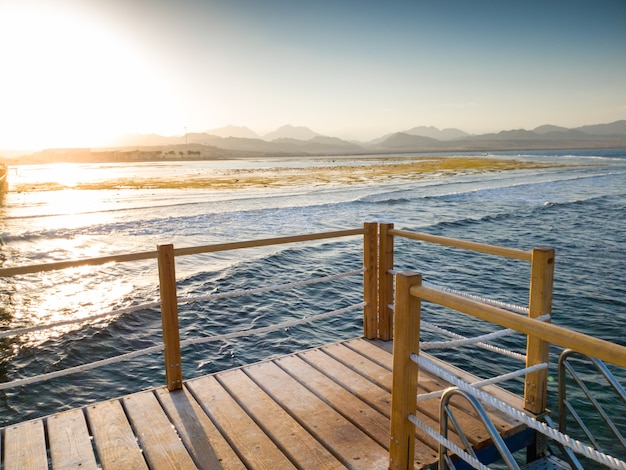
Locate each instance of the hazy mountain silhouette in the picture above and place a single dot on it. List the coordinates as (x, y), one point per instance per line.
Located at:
(234, 131)
(292, 140)
(291, 132)
(435, 133)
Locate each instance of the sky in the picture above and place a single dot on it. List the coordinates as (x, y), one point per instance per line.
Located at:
(79, 73)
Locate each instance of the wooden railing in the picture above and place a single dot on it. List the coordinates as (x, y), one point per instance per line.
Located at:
(409, 296)
(169, 300)
(166, 257)
(540, 296)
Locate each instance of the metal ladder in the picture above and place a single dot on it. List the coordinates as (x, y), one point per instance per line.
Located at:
(567, 459)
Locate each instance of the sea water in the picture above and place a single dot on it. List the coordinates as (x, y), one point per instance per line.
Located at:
(579, 210)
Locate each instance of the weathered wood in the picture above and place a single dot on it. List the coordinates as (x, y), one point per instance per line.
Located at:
(596, 347)
(360, 386)
(254, 447)
(370, 280)
(365, 367)
(427, 383)
(371, 389)
(39, 268)
(160, 443)
(69, 440)
(169, 317)
(25, 446)
(352, 446)
(385, 282)
(368, 419)
(113, 437)
(205, 444)
(316, 409)
(35, 268)
(302, 448)
(537, 351)
(465, 245)
(266, 242)
(404, 381)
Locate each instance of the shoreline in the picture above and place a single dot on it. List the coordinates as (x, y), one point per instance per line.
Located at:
(331, 171)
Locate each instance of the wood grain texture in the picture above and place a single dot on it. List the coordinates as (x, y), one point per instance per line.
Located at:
(255, 448)
(161, 445)
(25, 446)
(69, 440)
(205, 444)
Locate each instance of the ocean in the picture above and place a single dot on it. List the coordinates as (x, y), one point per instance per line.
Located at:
(579, 210)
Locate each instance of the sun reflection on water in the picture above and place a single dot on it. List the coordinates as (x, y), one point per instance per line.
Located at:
(76, 294)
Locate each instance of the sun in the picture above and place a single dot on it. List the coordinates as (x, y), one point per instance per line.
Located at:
(70, 79)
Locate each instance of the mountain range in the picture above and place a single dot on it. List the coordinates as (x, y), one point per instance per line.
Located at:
(237, 141)
(302, 140)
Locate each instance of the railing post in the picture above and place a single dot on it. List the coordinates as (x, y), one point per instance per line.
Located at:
(370, 280)
(169, 316)
(537, 351)
(385, 282)
(404, 372)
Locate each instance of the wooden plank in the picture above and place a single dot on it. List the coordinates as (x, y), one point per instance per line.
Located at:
(253, 446)
(369, 420)
(355, 448)
(69, 440)
(428, 411)
(161, 445)
(356, 362)
(25, 446)
(207, 446)
(357, 382)
(505, 424)
(302, 448)
(114, 439)
(367, 390)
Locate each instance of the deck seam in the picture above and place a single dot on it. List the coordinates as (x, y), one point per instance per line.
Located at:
(354, 369)
(218, 426)
(264, 428)
(331, 405)
(359, 396)
(301, 422)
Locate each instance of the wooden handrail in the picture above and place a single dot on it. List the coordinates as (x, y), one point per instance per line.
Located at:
(267, 241)
(566, 338)
(38, 268)
(466, 245)
(121, 258)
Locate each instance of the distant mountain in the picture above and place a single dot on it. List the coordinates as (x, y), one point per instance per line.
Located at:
(548, 129)
(434, 133)
(291, 132)
(234, 131)
(613, 128)
(401, 141)
(291, 140)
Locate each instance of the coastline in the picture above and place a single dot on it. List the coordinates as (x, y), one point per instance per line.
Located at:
(344, 171)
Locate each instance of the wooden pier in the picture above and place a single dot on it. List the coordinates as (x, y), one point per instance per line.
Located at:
(329, 407)
(323, 408)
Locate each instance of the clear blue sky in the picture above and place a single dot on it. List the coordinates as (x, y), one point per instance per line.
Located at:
(76, 72)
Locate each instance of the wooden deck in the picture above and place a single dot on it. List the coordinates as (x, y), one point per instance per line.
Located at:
(322, 408)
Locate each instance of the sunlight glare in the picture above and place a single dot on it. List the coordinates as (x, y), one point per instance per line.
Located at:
(70, 80)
